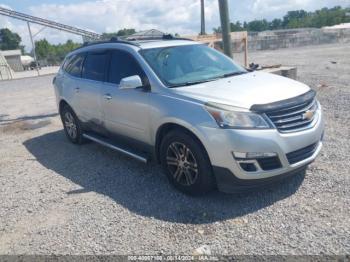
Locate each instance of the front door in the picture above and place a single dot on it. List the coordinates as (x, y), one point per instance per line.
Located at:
(125, 111)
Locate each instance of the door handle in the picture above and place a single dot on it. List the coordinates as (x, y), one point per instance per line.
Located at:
(77, 89)
(107, 96)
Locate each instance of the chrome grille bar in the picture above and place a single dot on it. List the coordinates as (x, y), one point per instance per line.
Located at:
(294, 112)
(290, 119)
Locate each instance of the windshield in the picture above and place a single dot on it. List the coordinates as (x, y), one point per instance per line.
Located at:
(190, 64)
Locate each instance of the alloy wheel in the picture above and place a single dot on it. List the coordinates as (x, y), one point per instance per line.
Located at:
(182, 164)
(70, 125)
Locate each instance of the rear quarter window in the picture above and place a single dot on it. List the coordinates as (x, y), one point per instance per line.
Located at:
(73, 65)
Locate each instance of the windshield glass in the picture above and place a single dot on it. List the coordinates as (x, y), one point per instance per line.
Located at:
(190, 64)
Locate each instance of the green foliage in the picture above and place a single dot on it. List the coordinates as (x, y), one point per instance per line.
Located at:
(121, 33)
(258, 25)
(53, 54)
(9, 40)
(276, 24)
(295, 19)
(43, 48)
(126, 32)
(217, 30)
(236, 27)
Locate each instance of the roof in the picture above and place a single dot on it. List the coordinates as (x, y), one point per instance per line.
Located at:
(340, 26)
(11, 52)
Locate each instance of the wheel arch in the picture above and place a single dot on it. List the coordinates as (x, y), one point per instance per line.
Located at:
(168, 127)
(62, 104)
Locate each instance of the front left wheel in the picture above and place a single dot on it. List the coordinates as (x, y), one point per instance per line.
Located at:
(186, 163)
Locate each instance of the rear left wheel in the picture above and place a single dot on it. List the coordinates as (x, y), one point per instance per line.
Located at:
(72, 126)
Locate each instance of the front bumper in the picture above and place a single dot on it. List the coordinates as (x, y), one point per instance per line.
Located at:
(229, 183)
(230, 176)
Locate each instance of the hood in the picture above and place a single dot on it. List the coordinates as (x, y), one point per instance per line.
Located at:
(245, 90)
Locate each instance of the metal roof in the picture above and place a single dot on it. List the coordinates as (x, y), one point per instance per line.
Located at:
(152, 33)
(11, 52)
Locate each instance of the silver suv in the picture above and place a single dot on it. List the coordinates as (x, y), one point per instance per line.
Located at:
(208, 121)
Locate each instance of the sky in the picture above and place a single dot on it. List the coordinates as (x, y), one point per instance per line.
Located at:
(172, 16)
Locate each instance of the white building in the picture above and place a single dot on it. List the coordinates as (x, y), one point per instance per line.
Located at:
(13, 58)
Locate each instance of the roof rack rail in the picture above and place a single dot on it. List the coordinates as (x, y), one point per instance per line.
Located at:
(163, 37)
(112, 40)
(171, 37)
(133, 41)
(121, 41)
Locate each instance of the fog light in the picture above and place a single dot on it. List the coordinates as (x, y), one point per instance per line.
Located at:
(249, 167)
(250, 155)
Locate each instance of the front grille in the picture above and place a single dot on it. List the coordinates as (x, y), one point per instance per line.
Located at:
(269, 163)
(301, 154)
(294, 118)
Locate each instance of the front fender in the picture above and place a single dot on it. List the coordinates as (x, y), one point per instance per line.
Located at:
(187, 114)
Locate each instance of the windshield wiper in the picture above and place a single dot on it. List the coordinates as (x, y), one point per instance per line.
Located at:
(233, 74)
(190, 83)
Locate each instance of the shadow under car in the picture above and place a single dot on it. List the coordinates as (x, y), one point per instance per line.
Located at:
(144, 189)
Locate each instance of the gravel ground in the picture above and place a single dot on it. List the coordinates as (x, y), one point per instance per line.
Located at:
(58, 198)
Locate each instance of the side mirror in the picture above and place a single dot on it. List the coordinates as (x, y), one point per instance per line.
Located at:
(130, 82)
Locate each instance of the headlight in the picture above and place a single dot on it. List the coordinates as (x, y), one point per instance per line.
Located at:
(232, 117)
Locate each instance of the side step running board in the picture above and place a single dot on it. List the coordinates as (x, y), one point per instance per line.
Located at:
(106, 143)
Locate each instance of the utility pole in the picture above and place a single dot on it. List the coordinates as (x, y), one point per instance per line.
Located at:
(202, 18)
(33, 45)
(225, 27)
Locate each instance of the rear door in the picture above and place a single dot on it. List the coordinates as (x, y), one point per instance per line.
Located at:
(126, 111)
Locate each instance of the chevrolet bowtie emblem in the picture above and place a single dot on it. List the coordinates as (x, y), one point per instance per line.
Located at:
(308, 115)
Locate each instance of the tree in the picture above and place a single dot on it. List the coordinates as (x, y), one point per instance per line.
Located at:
(54, 54)
(245, 25)
(217, 30)
(275, 24)
(9, 40)
(236, 27)
(126, 32)
(296, 19)
(121, 33)
(108, 36)
(258, 25)
(43, 49)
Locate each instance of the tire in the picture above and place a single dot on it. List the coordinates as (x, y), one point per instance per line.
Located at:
(72, 125)
(186, 163)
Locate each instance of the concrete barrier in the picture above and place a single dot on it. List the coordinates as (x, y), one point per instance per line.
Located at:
(286, 71)
(277, 39)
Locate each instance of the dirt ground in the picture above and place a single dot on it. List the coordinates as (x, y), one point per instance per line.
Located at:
(59, 198)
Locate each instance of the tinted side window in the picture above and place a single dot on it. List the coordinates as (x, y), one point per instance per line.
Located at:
(65, 63)
(95, 66)
(123, 65)
(74, 65)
